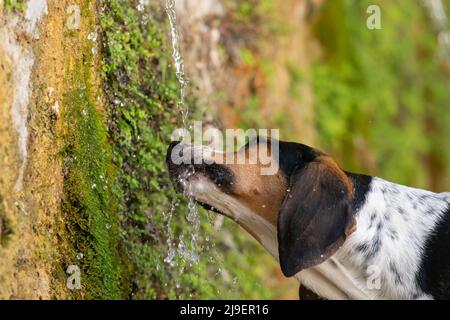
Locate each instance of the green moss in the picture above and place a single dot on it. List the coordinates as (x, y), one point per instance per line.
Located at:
(5, 225)
(90, 208)
(14, 5)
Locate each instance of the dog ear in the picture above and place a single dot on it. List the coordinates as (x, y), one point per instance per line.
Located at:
(315, 217)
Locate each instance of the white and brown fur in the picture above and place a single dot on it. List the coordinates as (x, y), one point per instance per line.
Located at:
(328, 227)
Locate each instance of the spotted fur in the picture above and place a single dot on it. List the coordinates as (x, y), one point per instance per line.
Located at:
(393, 226)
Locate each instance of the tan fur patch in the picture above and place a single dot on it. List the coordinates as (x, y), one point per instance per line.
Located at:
(335, 169)
(263, 194)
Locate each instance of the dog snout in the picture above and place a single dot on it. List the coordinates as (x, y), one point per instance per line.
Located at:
(176, 167)
(182, 161)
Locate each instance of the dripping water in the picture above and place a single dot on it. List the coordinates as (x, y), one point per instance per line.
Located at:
(186, 251)
(178, 61)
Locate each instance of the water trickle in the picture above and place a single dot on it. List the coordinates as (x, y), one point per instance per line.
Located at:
(178, 60)
(185, 250)
(171, 253)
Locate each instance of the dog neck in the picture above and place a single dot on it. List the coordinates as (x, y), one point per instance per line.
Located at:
(261, 229)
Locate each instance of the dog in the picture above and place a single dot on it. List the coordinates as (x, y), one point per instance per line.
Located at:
(342, 235)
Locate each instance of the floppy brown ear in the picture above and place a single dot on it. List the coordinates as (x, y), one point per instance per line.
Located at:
(316, 215)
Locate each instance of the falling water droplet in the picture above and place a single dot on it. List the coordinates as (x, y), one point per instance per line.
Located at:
(92, 36)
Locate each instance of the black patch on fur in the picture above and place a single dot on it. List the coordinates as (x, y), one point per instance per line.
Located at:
(375, 248)
(397, 277)
(369, 249)
(292, 155)
(219, 174)
(379, 226)
(372, 220)
(393, 234)
(363, 248)
(361, 186)
(434, 271)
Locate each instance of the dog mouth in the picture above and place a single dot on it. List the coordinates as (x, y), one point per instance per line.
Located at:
(189, 178)
(196, 185)
(196, 179)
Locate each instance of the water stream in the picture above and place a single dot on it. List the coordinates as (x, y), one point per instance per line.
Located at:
(178, 61)
(184, 250)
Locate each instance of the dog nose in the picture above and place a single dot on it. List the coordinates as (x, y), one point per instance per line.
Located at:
(169, 151)
(172, 145)
(174, 169)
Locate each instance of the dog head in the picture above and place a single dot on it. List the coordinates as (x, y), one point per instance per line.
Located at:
(302, 211)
